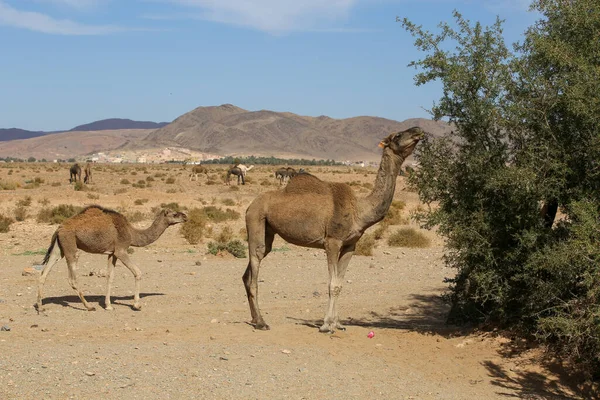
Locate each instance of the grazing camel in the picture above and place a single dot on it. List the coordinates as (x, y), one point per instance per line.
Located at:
(75, 173)
(99, 230)
(197, 170)
(244, 169)
(284, 174)
(238, 172)
(312, 213)
(88, 173)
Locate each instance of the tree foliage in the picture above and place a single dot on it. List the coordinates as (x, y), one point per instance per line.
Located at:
(526, 143)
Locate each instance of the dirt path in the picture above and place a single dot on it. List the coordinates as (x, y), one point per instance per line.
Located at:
(192, 339)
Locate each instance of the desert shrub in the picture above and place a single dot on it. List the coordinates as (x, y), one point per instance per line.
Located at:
(5, 223)
(234, 247)
(399, 205)
(58, 214)
(243, 233)
(211, 182)
(249, 180)
(408, 237)
(55, 184)
(225, 235)
(380, 231)
(228, 202)
(44, 201)
(141, 184)
(93, 196)
(125, 181)
(234, 188)
(218, 215)
(79, 186)
(120, 191)
(364, 246)
(149, 179)
(368, 185)
(193, 229)
(159, 175)
(394, 217)
(20, 213)
(171, 191)
(170, 180)
(38, 180)
(133, 173)
(265, 182)
(8, 185)
(25, 202)
(136, 216)
(171, 206)
(139, 202)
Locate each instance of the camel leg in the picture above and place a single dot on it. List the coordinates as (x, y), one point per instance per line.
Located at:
(260, 243)
(332, 248)
(110, 271)
(55, 256)
(72, 266)
(136, 273)
(345, 257)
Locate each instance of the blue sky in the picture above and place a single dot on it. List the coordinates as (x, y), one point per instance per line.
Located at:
(67, 62)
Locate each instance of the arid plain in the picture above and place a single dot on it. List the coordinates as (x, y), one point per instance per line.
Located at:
(192, 338)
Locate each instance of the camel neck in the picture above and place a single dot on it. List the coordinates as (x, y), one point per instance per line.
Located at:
(375, 206)
(144, 237)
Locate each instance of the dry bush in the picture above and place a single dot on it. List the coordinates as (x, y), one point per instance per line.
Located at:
(170, 180)
(368, 185)
(265, 182)
(193, 229)
(398, 204)
(44, 201)
(139, 202)
(5, 223)
(57, 214)
(92, 196)
(394, 217)
(170, 206)
(120, 191)
(408, 237)
(364, 246)
(79, 186)
(228, 202)
(380, 231)
(125, 181)
(244, 234)
(136, 216)
(171, 191)
(234, 188)
(26, 202)
(149, 179)
(218, 215)
(225, 235)
(234, 247)
(8, 185)
(20, 213)
(55, 184)
(133, 173)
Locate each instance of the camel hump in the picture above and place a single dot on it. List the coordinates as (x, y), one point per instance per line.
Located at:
(306, 183)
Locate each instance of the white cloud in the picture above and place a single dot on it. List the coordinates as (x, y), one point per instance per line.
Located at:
(273, 16)
(43, 23)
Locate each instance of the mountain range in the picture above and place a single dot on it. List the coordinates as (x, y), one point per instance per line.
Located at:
(102, 125)
(229, 130)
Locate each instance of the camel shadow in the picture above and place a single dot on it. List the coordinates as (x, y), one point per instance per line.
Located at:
(425, 314)
(71, 300)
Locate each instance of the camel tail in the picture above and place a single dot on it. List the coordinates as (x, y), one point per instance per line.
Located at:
(51, 248)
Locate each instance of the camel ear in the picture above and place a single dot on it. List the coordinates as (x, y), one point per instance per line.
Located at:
(384, 143)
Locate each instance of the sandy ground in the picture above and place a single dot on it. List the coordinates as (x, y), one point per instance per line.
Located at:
(192, 338)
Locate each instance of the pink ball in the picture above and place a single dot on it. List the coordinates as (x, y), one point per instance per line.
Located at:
(371, 334)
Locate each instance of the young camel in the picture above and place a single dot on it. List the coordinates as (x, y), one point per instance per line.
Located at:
(75, 173)
(99, 230)
(88, 173)
(312, 213)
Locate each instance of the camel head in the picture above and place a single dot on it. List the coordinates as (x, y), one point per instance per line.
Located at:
(173, 217)
(403, 143)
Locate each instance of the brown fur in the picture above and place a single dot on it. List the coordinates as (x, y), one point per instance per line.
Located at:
(285, 173)
(75, 173)
(237, 172)
(310, 212)
(197, 170)
(88, 173)
(99, 230)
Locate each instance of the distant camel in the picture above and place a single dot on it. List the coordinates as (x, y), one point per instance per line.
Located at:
(99, 230)
(197, 170)
(238, 172)
(326, 215)
(284, 174)
(75, 173)
(88, 173)
(244, 169)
